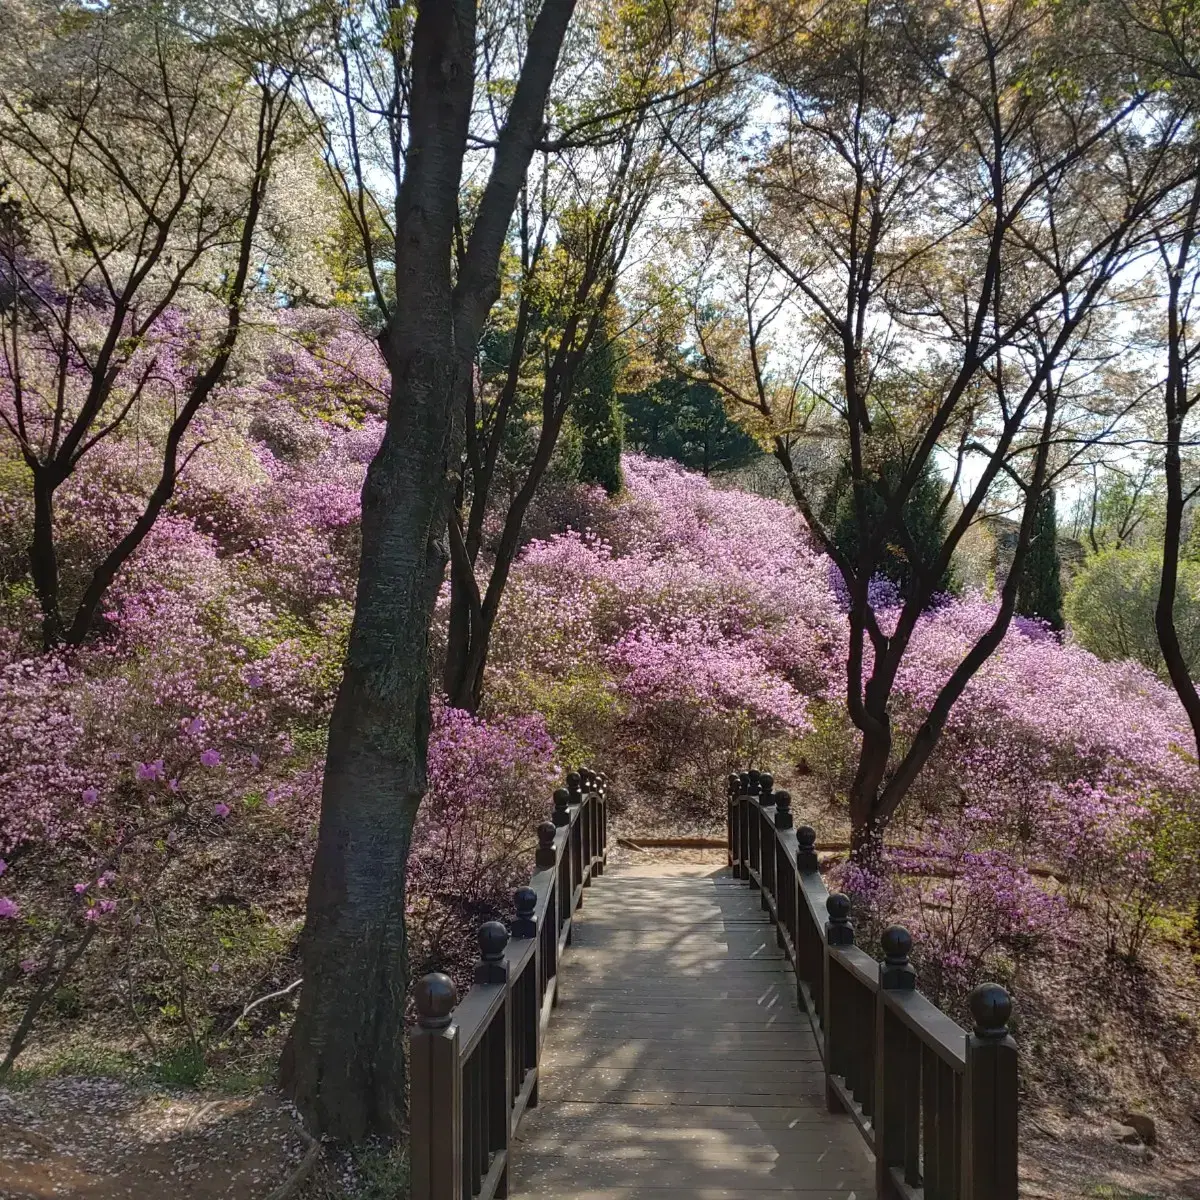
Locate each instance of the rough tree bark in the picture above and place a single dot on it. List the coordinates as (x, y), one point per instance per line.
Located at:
(344, 1063)
(1177, 403)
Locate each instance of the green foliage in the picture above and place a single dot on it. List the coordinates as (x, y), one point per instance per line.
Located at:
(924, 524)
(683, 419)
(581, 709)
(1039, 594)
(183, 1066)
(381, 1172)
(1110, 607)
(598, 415)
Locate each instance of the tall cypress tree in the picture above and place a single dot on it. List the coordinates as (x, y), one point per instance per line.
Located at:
(1040, 591)
(598, 416)
(922, 516)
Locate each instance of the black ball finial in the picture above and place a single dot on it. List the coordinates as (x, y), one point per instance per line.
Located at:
(744, 782)
(783, 810)
(573, 784)
(545, 856)
(562, 801)
(436, 997)
(897, 974)
(806, 848)
(838, 930)
(493, 937)
(991, 1008)
(766, 784)
(735, 784)
(897, 944)
(525, 900)
(755, 776)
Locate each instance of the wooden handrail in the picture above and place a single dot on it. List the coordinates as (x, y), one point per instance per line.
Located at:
(936, 1104)
(474, 1063)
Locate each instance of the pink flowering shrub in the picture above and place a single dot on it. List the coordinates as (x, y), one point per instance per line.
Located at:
(160, 785)
(490, 784)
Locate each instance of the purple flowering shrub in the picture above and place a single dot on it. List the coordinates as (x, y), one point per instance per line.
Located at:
(489, 787)
(161, 784)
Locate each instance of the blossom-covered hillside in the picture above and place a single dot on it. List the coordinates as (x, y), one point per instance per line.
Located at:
(160, 785)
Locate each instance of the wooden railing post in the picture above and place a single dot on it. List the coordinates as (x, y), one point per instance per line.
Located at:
(526, 997)
(897, 1088)
(545, 851)
(766, 839)
(583, 833)
(783, 810)
(742, 815)
(525, 901)
(562, 807)
(496, 1083)
(435, 1094)
(989, 1118)
(806, 849)
(733, 790)
(838, 932)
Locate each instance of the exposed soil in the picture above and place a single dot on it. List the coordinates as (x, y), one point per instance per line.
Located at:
(99, 1139)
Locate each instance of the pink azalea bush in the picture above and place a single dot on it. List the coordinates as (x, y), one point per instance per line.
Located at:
(160, 786)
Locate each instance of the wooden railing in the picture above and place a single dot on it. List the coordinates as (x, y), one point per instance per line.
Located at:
(474, 1063)
(937, 1105)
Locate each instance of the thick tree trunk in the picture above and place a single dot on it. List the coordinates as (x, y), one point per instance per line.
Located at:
(866, 823)
(344, 1064)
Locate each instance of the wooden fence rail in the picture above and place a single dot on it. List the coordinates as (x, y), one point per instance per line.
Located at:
(936, 1104)
(474, 1062)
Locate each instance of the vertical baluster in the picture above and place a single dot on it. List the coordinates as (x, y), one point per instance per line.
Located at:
(809, 948)
(732, 789)
(931, 1130)
(948, 1129)
(990, 1099)
(496, 1066)
(866, 1035)
(525, 1006)
(838, 932)
(781, 872)
(739, 815)
(956, 1113)
(469, 1187)
(912, 1108)
(891, 1064)
(436, 1093)
(475, 1112)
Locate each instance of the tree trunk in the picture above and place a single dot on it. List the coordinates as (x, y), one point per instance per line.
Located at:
(344, 1064)
(866, 824)
(43, 559)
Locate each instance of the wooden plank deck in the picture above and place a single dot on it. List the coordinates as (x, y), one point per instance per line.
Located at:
(677, 1063)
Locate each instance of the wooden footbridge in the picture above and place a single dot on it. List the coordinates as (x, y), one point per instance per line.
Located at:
(705, 1034)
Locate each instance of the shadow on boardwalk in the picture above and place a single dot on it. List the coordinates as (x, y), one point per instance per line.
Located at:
(678, 1063)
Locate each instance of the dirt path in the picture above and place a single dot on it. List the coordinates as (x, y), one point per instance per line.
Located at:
(95, 1139)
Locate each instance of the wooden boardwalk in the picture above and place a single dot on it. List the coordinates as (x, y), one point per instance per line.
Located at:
(678, 1063)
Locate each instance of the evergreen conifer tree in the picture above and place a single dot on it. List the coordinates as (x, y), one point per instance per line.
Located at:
(598, 416)
(1040, 592)
(923, 523)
